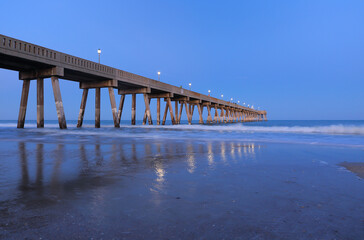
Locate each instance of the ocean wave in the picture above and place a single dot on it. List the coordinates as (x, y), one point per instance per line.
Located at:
(331, 129)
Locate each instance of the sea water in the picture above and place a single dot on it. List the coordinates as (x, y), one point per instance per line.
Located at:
(257, 180)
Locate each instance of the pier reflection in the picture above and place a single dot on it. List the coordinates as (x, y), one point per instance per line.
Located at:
(62, 167)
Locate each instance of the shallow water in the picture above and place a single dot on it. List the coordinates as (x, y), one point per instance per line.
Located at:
(181, 182)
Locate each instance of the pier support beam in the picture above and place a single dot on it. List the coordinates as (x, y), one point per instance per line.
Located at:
(147, 110)
(113, 107)
(59, 103)
(216, 117)
(121, 105)
(97, 107)
(23, 103)
(188, 113)
(171, 111)
(158, 111)
(82, 107)
(133, 108)
(165, 114)
(222, 115)
(40, 103)
(180, 113)
(200, 111)
(209, 118)
(168, 106)
(176, 111)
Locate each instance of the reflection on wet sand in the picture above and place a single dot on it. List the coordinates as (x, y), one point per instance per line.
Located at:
(142, 155)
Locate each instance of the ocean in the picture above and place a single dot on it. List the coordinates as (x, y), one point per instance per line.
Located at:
(258, 180)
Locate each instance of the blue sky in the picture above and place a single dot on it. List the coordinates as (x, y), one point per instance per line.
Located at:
(296, 59)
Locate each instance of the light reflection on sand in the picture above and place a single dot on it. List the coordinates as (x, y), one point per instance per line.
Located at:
(141, 153)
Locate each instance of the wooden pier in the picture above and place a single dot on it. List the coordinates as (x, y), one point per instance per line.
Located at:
(34, 62)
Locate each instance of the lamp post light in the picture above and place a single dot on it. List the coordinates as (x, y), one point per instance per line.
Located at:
(99, 52)
(238, 101)
(209, 92)
(244, 104)
(190, 86)
(222, 96)
(231, 99)
(159, 76)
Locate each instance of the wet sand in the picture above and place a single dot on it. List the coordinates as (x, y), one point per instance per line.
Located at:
(157, 189)
(355, 167)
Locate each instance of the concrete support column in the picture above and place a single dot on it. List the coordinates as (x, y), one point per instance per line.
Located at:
(176, 110)
(147, 109)
(189, 117)
(121, 106)
(180, 113)
(200, 111)
(158, 111)
(171, 111)
(23, 103)
(97, 107)
(40, 103)
(216, 117)
(209, 118)
(59, 103)
(133, 108)
(165, 113)
(113, 107)
(82, 107)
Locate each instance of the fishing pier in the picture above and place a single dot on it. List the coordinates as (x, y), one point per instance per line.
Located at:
(34, 62)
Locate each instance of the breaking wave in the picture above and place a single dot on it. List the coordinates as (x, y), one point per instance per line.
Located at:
(331, 129)
(339, 129)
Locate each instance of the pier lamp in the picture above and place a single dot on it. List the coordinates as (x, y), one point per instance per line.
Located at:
(209, 92)
(248, 105)
(244, 104)
(231, 99)
(222, 96)
(159, 76)
(99, 52)
(238, 101)
(190, 86)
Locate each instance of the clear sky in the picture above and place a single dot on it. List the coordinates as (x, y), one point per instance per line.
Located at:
(296, 59)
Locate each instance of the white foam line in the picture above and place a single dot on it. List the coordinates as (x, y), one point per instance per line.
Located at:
(330, 129)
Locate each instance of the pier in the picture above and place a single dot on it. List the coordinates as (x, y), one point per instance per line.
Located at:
(34, 62)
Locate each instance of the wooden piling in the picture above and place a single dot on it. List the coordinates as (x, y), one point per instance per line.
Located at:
(82, 107)
(40, 103)
(97, 107)
(23, 103)
(113, 107)
(59, 103)
(133, 108)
